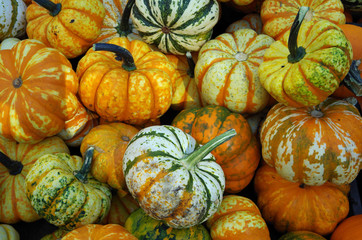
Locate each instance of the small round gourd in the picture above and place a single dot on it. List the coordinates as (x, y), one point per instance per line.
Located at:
(12, 18)
(8, 232)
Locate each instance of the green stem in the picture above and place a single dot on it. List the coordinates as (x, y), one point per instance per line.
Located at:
(81, 175)
(14, 167)
(121, 54)
(123, 28)
(353, 80)
(195, 157)
(190, 61)
(296, 53)
(53, 8)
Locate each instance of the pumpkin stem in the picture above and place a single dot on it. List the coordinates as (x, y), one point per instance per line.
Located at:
(195, 157)
(296, 53)
(190, 61)
(123, 28)
(53, 8)
(81, 175)
(353, 80)
(316, 112)
(18, 82)
(121, 54)
(14, 167)
(302, 185)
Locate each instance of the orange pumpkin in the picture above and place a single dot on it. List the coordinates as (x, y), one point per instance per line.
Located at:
(133, 90)
(350, 228)
(292, 206)
(67, 25)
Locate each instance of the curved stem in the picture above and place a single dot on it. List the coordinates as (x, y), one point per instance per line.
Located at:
(53, 8)
(195, 157)
(124, 27)
(81, 175)
(190, 61)
(121, 54)
(14, 167)
(296, 53)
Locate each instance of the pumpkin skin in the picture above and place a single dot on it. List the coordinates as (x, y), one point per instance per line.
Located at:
(12, 18)
(348, 228)
(9, 43)
(15, 206)
(61, 196)
(175, 26)
(31, 74)
(252, 21)
(315, 76)
(313, 146)
(238, 157)
(144, 227)
(138, 95)
(169, 177)
(100, 232)
(72, 30)
(8, 232)
(292, 206)
(278, 15)
(110, 142)
(226, 72)
(238, 218)
(301, 235)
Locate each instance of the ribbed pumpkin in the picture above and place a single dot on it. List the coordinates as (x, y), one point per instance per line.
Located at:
(12, 19)
(175, 26)
(16, 161)
(67, 25)
(135, 87)
(226, 71)
(238, 157)
(109, 142)
(301, 235)
(237, 218)
(61, 191)
(314, 145)
(278, 15)
(292, 206)
(8, 232)
(144, 227)
(307, 64)
(172, 177)
(349, 228)
(251, 21)
(100, 232)
(31, 75)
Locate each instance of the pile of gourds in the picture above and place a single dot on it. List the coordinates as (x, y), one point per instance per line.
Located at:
(152, 119)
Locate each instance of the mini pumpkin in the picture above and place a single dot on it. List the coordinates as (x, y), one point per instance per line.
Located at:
(251, 21)
(13, 21)
(8, 232)
(9, 43)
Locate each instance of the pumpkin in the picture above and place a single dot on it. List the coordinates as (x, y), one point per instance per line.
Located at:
(133, 90)
(307, 64)
(349, 228)
(186, 94)
(237, 218)
(172, 178)
(354, 6)
(354, 35)
(110, 142)
(16, 161)
(301, 235)
(314, 145)
(278, 15)
(100, 232)
(226, 72)
(12, 18)
(9, 43)
(251, 21)
(8, 232)
(290, 206)
(32, 74)
(61, 190)
(175, 26)
(67, 25)
(238, 157)
(56, 235)
(144, 227)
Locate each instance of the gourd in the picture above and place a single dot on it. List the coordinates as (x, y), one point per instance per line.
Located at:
(67, 25)
(16, 161)
(9, 43)
(348, 228)
(61, 191)
(301, 235)
(251, 21)
(12, 18)
(172, 178)
(175, 26)
(307, 64)
(314, 145)
(8, 232)
(226, 72)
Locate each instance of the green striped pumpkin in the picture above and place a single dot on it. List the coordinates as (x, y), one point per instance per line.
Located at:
(12, 18)
(173, 178)
(144, 227)
(175, 26)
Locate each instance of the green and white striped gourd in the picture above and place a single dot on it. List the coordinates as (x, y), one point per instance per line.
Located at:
(12, 18)
(175, 26)
(172, 177)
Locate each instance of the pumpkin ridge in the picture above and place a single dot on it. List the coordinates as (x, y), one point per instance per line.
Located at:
(311, 41)
(72, 33)
(203, 216)
(13, 17)
(248, 43)
(222, 40)
(251, 89)
(220, 98)
(13, 196)
(285, 95)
